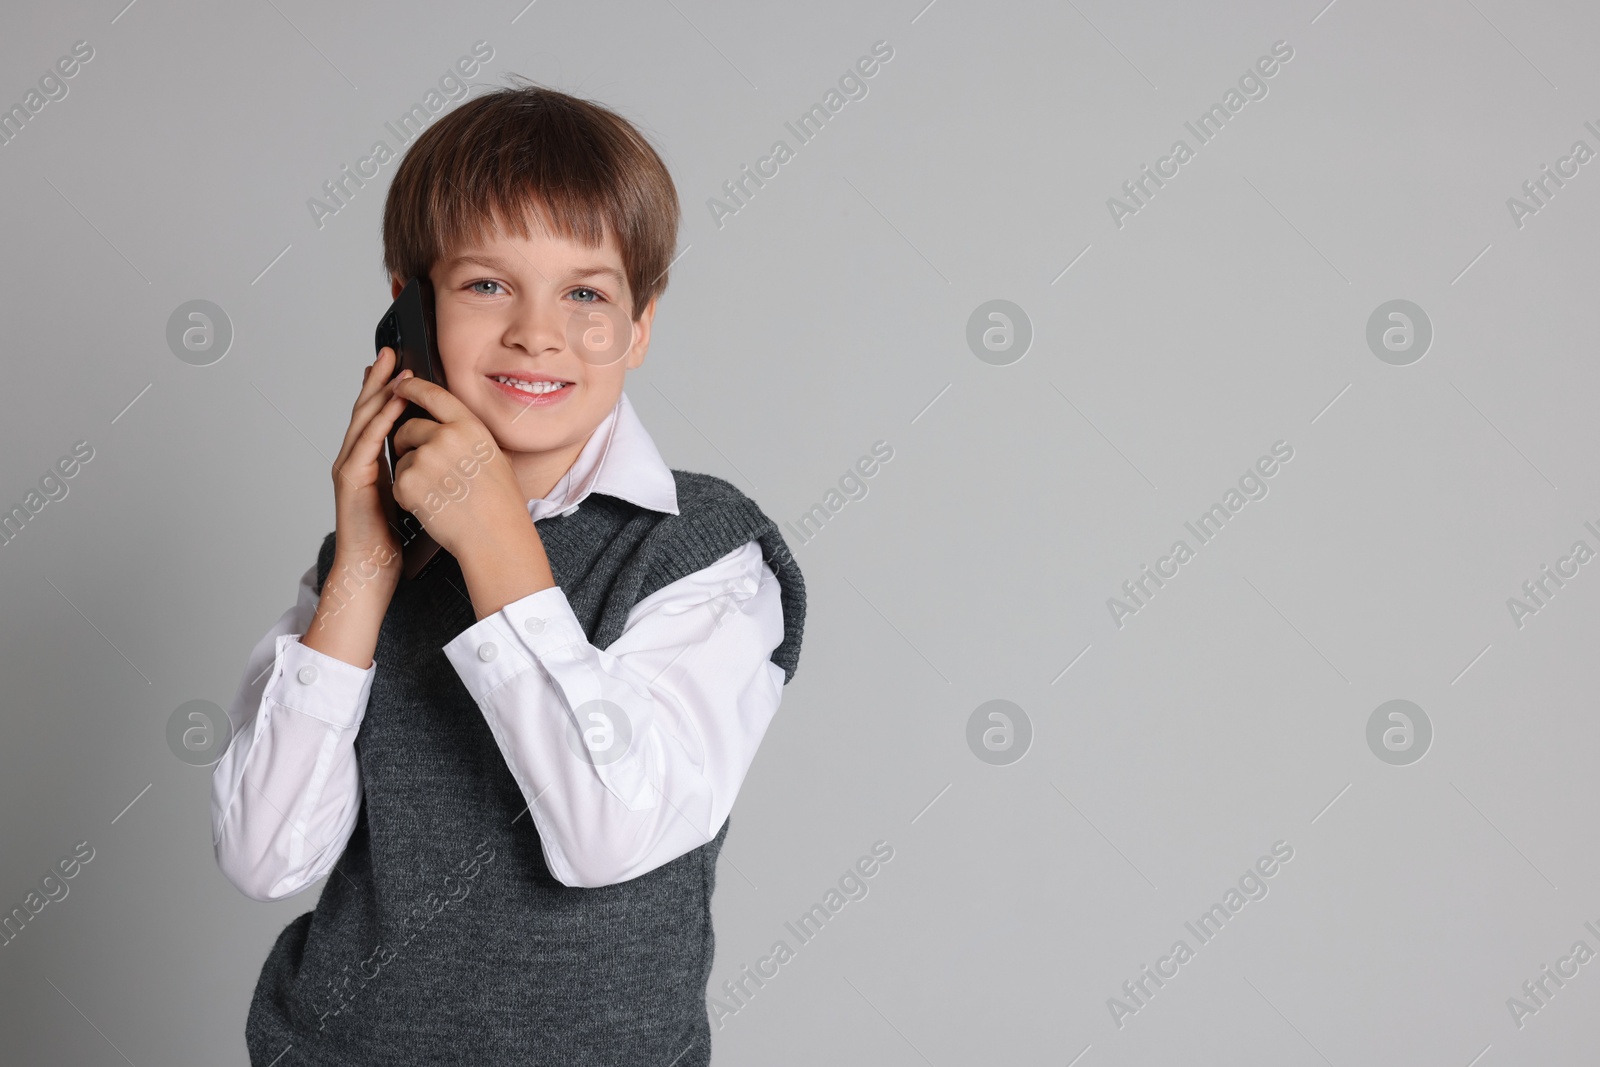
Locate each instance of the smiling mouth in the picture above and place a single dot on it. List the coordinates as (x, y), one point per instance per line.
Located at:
(533, 388)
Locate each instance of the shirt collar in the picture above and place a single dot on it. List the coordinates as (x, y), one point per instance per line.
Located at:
(620, 459)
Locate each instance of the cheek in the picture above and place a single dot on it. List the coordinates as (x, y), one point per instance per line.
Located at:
(601, 388)
(454, 359)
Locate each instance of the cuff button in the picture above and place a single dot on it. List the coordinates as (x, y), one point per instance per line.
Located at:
(487, 651)
(533, 625)
(307, 675)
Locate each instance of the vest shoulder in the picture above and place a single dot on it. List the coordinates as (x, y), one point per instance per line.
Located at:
(707, 491)
(714, 518)
(714, 509)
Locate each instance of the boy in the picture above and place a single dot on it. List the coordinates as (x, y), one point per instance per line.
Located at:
(518, 767)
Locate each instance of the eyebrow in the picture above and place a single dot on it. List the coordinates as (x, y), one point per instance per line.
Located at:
(492, 263)
(607, 272)
(481, 261)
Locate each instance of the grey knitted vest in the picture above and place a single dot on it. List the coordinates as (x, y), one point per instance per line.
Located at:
(441, 937)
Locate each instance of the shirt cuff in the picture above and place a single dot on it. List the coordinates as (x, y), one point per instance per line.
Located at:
(316, 684)
(509, 641)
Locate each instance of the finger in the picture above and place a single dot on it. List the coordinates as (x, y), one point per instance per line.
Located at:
(384, 404)
(376, 389)
(376, 386)
(436, 400)
(367, 440)
(377, 374)
(417, 432)
(372, 436)
(370, 408)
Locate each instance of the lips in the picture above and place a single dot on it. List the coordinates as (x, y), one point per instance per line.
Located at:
(534, 392)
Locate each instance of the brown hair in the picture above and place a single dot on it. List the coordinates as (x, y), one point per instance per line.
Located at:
(526, 154)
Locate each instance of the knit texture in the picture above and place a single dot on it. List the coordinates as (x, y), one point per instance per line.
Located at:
(441, 937)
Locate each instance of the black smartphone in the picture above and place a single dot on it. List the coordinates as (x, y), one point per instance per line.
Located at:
(408, 327)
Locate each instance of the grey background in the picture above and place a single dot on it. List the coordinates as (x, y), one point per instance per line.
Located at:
(828, 314)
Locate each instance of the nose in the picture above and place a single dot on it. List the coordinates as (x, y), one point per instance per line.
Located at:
(537, 326)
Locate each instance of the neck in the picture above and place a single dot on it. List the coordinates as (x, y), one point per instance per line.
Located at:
(538, 473)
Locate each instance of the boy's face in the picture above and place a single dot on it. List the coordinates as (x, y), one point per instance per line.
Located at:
(537, 308)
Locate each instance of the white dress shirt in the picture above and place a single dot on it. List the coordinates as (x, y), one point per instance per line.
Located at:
(691, 673)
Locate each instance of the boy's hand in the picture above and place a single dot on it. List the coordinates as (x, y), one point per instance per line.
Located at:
(363, 534)
(452, 475)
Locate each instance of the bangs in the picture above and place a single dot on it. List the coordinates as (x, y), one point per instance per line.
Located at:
(529, 161)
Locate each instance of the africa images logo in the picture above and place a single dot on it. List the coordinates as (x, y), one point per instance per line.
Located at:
(1141, 189)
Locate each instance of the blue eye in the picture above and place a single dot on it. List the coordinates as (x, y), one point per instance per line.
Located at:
(586, 289)
(485, 281)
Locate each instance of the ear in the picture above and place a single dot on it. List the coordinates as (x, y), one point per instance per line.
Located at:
(641, 343)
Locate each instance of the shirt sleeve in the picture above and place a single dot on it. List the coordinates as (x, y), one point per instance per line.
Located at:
(631, 756)
(286, 793)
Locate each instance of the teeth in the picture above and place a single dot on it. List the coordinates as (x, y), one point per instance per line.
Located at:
(529, 387)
